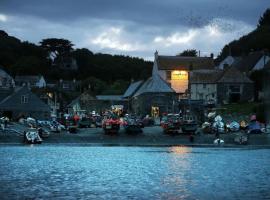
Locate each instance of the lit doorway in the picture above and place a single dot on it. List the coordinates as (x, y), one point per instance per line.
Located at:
(155, 111)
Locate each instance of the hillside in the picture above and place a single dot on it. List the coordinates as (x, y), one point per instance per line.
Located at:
(257, 40)
(113, 72)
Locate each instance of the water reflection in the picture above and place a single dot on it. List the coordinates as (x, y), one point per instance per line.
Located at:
(133, 173)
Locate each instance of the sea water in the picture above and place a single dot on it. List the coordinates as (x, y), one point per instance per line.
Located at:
(74, 172)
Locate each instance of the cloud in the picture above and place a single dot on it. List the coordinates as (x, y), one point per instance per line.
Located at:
(130, 37)
(176, 38)
(112, 39)
(3, 18)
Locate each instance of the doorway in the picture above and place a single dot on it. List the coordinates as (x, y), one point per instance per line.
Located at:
(155, 111)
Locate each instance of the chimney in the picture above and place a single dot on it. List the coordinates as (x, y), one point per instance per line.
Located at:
(199, 53)
(156, 55)
(212, 55)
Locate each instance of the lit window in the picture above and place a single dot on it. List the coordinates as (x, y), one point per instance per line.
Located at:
(179, 75)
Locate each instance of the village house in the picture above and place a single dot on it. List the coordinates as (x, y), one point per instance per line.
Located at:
(175, 70)
(203, 85)
(86, 103)
(253, 61)
(7, 84)
(22, 102)
(220, 86)
(154, 96)
(30, 81)
(228, 61)
(6, 81)
(68, 85)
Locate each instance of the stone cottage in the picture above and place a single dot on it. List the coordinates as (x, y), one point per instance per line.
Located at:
(154, 96)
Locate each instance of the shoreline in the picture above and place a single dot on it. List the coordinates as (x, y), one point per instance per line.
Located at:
(151, 137)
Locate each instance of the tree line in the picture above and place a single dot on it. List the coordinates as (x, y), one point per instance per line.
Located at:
(98, 72)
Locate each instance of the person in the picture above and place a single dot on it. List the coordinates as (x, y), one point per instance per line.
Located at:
(24, 136)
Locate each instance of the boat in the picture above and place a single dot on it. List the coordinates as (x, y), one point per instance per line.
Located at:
(170, 123)
(132, 125)
(189, 124)
(32, 137)
(111, 124)
(218, 141)
(241, 139)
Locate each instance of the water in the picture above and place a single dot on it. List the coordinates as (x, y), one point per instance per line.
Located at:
(68, 172)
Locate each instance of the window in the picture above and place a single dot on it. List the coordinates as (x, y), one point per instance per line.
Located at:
(24, 99)
(204, 86)
(168, 75)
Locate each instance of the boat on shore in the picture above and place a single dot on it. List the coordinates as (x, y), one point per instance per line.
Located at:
(32, 137)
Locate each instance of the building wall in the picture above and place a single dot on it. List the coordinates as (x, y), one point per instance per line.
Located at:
(142, 104)
(41, 83)
(246, 91)
(203, 92)
(177, 80)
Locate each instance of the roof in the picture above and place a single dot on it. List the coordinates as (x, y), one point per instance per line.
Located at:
(184, 63)
(267, 65)
(246, 63)
(13, 101)
(133, 87)
(6, 79)
(110, 97)
(205, 76)
(233, 75)
(154, 84)
(27, 78)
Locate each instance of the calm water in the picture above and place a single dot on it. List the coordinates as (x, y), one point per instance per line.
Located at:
(53, 172)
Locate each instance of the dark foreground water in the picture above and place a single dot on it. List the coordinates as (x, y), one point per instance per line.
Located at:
(68, 172)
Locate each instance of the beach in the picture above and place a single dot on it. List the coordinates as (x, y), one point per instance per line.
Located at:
(151, 136)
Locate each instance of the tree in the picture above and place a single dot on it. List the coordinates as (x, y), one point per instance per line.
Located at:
(189, 52)
(265, 19)
(57, 47)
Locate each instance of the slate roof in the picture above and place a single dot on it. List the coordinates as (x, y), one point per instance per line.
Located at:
(233, 75)
(246, 63)
(13, 101)
(110, 97)
(230, 75)
(5, 78)
(205, 76)
(133, 87)
(154, 85)
(184, 63)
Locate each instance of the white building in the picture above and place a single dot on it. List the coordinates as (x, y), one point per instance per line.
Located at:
(203, 84)
(228, 61)
(175, 70)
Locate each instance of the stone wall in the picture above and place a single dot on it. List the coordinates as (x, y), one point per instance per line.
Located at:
(246, 91)
(142, 104)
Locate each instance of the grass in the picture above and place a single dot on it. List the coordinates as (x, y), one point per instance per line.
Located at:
(239, 108)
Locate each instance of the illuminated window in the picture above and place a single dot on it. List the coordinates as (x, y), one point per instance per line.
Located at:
(179, 75)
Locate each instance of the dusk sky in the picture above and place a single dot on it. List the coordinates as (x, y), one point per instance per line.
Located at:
(135, 28)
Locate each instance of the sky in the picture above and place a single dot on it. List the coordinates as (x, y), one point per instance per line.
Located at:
(135, 28)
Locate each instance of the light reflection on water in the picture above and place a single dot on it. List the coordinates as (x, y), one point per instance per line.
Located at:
(133, 173)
